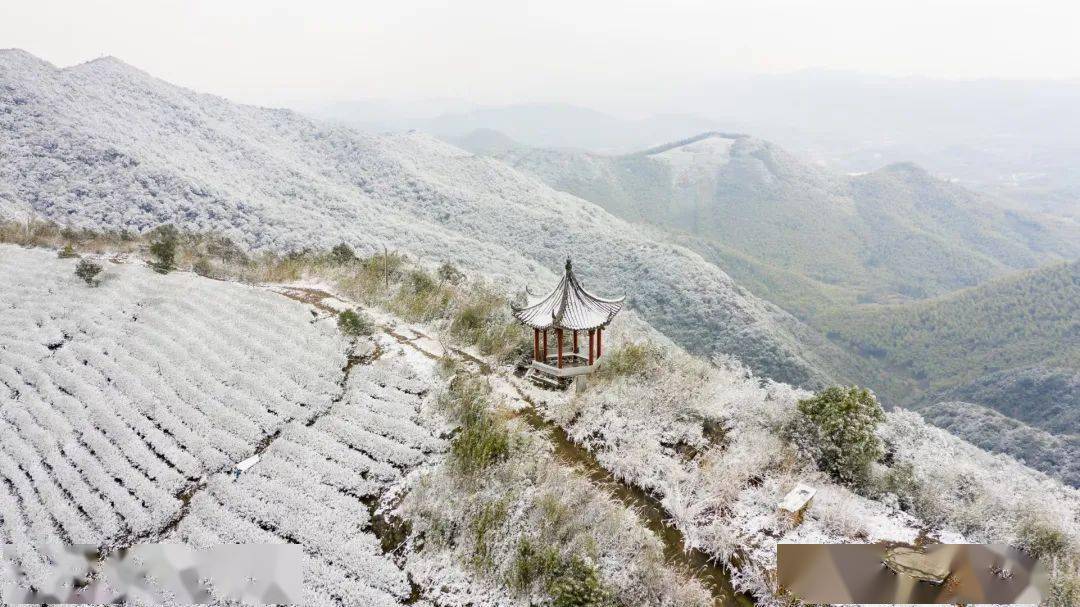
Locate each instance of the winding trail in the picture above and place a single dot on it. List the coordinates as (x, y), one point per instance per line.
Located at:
(695, 562)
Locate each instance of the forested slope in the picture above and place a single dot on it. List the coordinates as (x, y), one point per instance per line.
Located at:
(1011, 324)
(105, 145)
(891, 235)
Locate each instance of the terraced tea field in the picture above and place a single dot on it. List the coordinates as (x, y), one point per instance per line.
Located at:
(124, 407)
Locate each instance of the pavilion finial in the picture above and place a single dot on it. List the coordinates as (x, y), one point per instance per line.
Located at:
(568, 264)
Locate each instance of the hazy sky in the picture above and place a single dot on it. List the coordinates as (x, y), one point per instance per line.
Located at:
(499, 51)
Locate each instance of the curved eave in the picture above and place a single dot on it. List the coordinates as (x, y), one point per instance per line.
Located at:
(569, 306)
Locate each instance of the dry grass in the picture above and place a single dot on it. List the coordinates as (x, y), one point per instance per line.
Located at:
(475, 314)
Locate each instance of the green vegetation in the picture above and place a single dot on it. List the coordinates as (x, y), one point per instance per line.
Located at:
(1014, 323)
(355, 324)
(342, 254)
(837, 428)
(578, 585)
(629, 359)
(534, 565)
(481, 317)
(68, 252)
(163, 247)
(482, 438)
(1042, 538)
(488, 456)
(87, 270)
(491, 516)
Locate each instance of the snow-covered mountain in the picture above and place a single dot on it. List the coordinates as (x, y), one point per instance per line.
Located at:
(105, 145)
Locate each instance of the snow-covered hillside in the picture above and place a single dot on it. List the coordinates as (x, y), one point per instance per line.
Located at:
(124, 408)
(102, 144)
(117, 400)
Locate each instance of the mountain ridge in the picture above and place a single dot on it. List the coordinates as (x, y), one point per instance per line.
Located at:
(892, 234)
(115, 147)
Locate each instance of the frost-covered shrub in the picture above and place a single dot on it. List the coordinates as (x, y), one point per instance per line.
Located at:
(420, 297)
(627, 360)
(482, 319)
(354, 324)
(450, 274)
(202, 267)
(1040, 536)
(838, 429)
(342, 254)
(223, 248)
(68, 252)
(578, 585)
(483, 438)
(1064, 591)
(163, 247)
(87, 270)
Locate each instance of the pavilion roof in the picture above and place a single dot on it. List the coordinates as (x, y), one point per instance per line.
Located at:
(568, 306)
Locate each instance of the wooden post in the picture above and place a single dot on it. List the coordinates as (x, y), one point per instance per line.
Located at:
(536, 344)
(591, 346)
(558, 338)
(575, 342)
(599, 341)
(545, 345)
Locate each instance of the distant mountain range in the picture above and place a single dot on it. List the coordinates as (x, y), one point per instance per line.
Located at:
(1015, 139)
(553, 125)
(805, 237)
(105, 145)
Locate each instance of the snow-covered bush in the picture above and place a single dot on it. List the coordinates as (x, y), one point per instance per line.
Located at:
(482, 439)
(837, 428)
(1064, 591)
(163, 247)
(87, 270)
(342, 254)
(354, 324)
(448, 272)
(481, 317)
(202, 267)
(1042, 536)
(629, 358)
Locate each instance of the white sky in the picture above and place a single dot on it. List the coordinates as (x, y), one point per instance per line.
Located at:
(503, 51)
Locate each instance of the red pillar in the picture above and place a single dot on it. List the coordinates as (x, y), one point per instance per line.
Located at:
(536, 344)
(599, 341)
(575, 342)
(558, 338)
(545, 345)
(590, 346)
